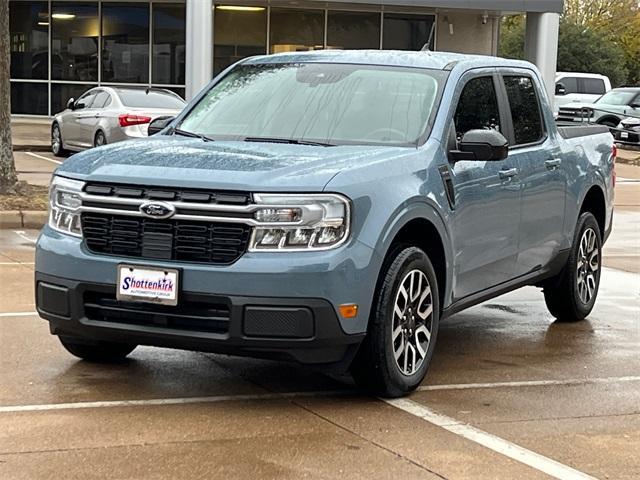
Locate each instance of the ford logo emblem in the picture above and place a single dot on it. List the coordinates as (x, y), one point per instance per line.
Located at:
(157, 209)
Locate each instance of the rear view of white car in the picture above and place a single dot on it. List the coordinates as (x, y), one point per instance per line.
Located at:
(579, 88)
(110, 114)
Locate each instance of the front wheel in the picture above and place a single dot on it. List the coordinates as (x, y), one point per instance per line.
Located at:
(57, 147)
(395, 354)
(571, 296)
(96, 351)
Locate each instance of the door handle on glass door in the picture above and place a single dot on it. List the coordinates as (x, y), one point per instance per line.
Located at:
(553, 163)
(508, 173)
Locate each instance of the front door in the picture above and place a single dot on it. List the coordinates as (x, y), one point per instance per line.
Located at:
(486, 214)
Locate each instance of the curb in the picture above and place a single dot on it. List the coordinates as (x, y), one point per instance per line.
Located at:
(34, 219)
(31, 148)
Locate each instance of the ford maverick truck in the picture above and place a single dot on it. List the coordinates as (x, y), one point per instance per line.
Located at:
(329, 208)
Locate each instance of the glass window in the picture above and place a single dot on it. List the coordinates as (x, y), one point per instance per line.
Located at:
(296, 30)
(101, 99)
(75, 34)
(328, 103)
(61, 93)
(407, 32)
(353, 30)
(168, 43)
(86, 100)
(593, 86)
(29, 98)
(140, 98)
(238, 32)
(125, 42)
(477, 107)
(617, 97)
(570, 84)
(29, 39)
(525, 109)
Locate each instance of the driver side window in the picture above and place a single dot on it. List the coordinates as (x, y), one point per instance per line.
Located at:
(477, 107)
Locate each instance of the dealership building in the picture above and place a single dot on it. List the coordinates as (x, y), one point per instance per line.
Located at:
(60, 48)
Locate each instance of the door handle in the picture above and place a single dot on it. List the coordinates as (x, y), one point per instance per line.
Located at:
(508, 173)
(553, 163)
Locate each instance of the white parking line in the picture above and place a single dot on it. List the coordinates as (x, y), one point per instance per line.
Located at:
(24, 236)
(169, 401)
(17, 263)
(58, 162)
(492, 442)
(528, 383)
(18, 314)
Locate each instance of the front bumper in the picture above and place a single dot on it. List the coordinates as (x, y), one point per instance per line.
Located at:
(280, 305)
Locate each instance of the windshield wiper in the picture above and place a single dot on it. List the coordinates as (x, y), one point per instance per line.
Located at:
(184, 133)
(287, 140)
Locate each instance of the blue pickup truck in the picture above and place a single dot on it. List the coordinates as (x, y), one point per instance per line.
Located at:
(329, 208)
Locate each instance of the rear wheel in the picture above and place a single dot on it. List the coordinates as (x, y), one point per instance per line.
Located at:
(397, 350)
(96, 351)
(572, 295)
(99, 139)
(57, 147)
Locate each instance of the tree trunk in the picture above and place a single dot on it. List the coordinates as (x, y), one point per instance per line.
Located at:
(8, 177)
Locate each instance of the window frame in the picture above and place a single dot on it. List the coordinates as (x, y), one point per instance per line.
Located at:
(467, 77)
(510, 131)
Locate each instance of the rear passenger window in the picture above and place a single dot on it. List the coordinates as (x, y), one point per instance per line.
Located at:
(525, 109)
(100, 100)
(477, 107)
(570, 84)
(593, 86)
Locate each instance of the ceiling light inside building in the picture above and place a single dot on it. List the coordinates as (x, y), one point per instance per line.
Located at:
(240, 8)
(44, 24)
(63, 16)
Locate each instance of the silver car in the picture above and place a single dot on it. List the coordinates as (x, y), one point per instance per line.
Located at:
(110, 114)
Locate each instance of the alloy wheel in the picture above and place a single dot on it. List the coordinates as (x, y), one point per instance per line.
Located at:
(588, 266)
(56, 141)
(412, 322)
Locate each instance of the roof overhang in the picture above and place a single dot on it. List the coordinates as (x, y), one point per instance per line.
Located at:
(539, 6)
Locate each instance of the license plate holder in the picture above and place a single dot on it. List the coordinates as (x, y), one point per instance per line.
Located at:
(624, 134)
(138, 283)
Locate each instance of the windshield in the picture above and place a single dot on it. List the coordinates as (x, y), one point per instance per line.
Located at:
(617, 97)
(314, 102)
(150, 99)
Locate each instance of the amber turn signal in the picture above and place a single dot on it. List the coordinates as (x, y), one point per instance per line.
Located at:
(348, 310)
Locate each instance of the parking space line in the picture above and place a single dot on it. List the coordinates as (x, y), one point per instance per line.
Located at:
(18, 314)
(58, 162)
(504, 447)
(17, 263)
(23, 235)
(171, 401)
(528, 383)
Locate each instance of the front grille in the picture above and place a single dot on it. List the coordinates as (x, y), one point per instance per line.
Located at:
(182, 240)
(194, 313)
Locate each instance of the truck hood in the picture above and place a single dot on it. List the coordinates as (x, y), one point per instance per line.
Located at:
(224, 165)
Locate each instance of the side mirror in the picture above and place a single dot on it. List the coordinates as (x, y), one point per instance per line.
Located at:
(561, 89)
(70, 103)
(158, 124)
(481, 145)
(635, 104)
(78, 106)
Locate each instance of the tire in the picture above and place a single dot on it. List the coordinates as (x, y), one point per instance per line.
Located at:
(571, 295)
(96, 351)
(100, 139)
(57, 145)
(384, 364)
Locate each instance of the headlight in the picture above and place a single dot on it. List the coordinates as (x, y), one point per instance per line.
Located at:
(64, 202)
(300, 222)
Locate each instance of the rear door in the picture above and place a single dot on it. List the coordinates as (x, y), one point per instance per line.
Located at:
(89, 118)
(536, 153)
(486, 194)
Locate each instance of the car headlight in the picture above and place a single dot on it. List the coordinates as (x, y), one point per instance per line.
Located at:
(64, 202)
(288, 222)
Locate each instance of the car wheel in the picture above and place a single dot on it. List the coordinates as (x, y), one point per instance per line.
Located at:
(57, 146)
(99, 139)
(609, 123)
(96, 351)
(572, 294)
(395, 354)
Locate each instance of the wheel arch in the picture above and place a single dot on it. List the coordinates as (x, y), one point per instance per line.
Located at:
(609, 118)
(595, 203)
(424, 228)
